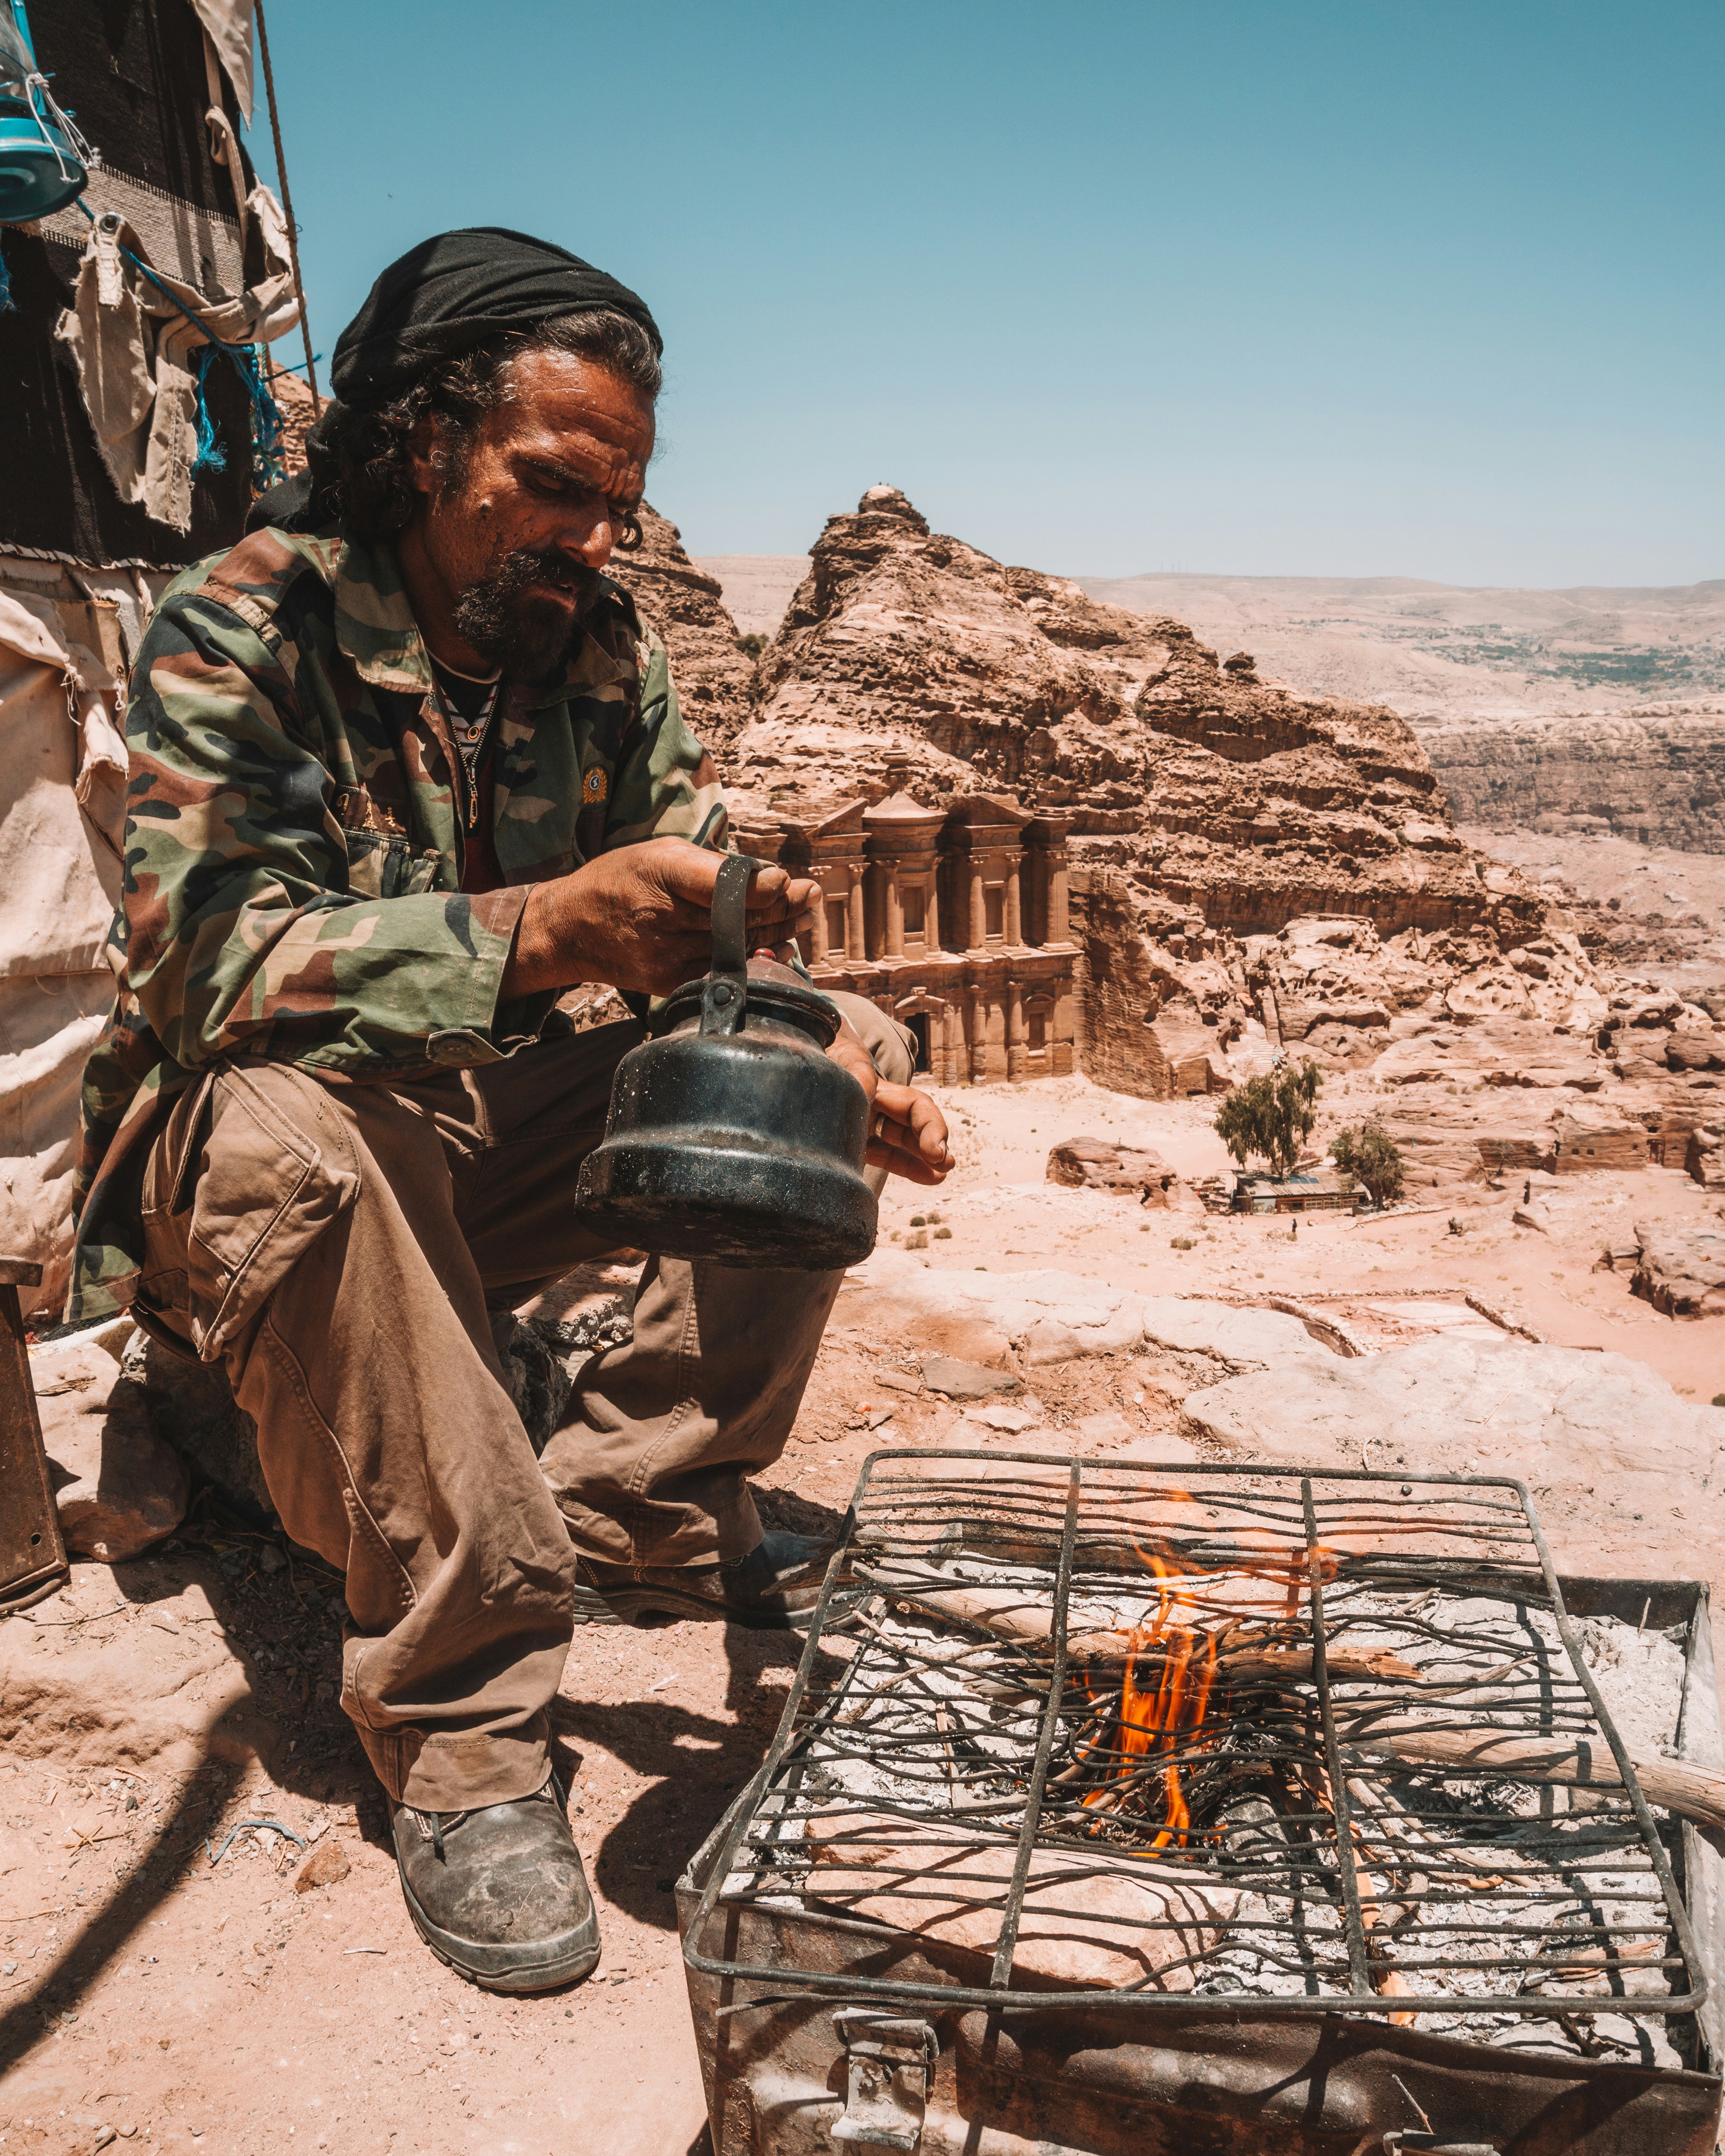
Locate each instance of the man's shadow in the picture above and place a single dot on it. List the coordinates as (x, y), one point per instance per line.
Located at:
(692, 1763)
(275, 1613)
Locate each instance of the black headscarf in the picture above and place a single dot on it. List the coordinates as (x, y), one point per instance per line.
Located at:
(462, 289)
(443, 298)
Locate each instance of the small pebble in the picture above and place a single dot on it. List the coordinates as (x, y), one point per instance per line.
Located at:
(9, 1969)
(271, 1559)
(103, 2137)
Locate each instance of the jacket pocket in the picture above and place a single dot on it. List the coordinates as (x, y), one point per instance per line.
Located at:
(378, 864)
(277, 1167)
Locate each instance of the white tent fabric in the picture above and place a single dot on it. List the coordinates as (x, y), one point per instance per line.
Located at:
(62, 821)
(229, 23)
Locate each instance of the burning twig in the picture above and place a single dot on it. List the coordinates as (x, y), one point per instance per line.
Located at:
(1012, 1615)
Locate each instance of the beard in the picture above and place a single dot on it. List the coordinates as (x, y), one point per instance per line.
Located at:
(508, 622)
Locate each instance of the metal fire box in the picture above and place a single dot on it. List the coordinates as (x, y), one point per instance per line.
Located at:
(1127, 1811)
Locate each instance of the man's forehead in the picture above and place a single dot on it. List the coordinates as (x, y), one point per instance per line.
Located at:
(558, 397)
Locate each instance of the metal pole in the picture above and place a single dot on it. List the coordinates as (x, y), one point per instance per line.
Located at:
(287, 203)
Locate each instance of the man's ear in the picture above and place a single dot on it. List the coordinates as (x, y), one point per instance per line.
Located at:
(425, 445)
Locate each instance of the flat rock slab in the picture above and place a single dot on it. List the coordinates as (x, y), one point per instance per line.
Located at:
(1242, 1339)
(965, 1381)
(1551, 1416)
(1042, 1316)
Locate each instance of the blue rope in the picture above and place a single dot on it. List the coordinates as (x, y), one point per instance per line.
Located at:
(269, 467)
(265, 412)
(211, 455)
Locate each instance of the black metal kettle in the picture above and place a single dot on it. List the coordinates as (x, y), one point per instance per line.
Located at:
(730, 1134)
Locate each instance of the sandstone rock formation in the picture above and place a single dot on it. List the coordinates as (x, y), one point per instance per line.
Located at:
(1126, 1170)
(1680, 1267)
(1205, 805)
(1241, 802)
(684, 604)
(1101, 1164)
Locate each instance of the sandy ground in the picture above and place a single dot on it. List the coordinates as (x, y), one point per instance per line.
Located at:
(183, 2003)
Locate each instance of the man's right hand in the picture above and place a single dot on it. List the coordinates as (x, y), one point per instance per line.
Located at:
(641, 918)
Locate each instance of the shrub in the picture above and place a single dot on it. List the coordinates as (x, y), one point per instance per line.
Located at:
(1271, 1116)
(1370, 1157)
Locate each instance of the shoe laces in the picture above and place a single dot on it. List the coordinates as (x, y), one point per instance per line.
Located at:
(431, 1825)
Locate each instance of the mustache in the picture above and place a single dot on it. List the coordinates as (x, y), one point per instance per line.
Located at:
(497, 617)
(518, 572)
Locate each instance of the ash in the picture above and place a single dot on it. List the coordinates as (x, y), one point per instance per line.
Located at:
(1482, 1889)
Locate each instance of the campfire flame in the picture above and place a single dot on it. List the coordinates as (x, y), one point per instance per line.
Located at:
(1153, 1720)
(1161, 1718)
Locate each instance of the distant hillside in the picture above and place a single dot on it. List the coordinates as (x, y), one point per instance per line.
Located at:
(757, 588)
(1445, 655)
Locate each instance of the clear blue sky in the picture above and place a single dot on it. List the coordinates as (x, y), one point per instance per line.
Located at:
(1386, 288)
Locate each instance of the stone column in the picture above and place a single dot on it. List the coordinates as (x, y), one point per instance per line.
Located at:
(978, 1037)
(818, 933)
(856, 939)
(1013, 924)
(932, 913)
(1057, 930)
(1014, 1026)
(895, 913)
(952, 1039)
(978, 908)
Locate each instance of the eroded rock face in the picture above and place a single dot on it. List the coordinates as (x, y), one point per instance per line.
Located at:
(1680, 1266)
(714, 678)
(1101, 1164)
(1655, 777)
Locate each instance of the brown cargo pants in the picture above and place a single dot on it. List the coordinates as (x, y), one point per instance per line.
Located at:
(339, 1246)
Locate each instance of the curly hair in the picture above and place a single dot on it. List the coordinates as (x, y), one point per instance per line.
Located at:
(367, 477)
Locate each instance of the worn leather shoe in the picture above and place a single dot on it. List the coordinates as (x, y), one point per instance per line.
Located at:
(774, 1589)
(498, 1893)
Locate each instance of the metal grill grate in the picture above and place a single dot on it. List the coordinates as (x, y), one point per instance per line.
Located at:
(1210, 1738)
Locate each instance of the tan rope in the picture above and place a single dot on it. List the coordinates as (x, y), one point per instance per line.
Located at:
(287, 205)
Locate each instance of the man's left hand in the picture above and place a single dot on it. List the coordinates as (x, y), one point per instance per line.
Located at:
(907, 1132)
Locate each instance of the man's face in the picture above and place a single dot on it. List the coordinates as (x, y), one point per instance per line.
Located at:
(517, 537)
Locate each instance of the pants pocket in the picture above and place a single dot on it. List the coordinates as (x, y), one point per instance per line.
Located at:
(277, 1167)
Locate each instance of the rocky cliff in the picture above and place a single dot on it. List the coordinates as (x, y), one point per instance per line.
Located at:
(686, 606)
(1191, 783)
(1657, 776)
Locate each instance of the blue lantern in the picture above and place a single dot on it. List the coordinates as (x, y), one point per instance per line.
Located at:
(44, 161)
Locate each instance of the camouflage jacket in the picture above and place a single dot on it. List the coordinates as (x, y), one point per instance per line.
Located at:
(293, 851)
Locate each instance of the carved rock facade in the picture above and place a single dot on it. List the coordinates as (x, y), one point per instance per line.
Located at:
(952, 920)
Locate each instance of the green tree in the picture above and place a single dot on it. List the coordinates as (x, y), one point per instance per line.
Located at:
(751, 645)
(1370, 1157)
(1271, 1116)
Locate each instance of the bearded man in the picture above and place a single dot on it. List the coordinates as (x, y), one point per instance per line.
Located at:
(405, 767)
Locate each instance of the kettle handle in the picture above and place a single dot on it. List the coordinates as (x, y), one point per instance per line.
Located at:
(724, 993)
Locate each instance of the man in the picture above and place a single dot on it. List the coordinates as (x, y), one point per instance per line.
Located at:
(404, 767)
